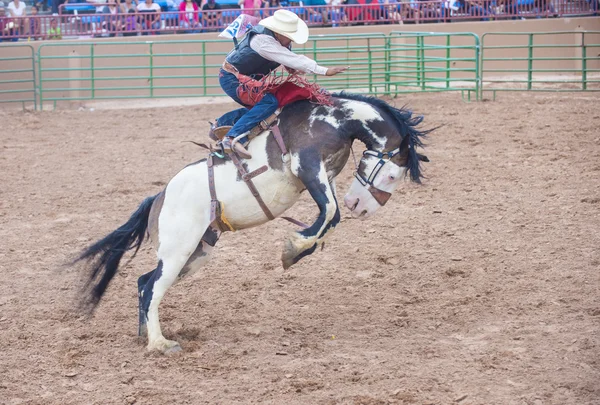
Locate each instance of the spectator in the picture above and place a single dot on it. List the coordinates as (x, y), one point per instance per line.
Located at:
(428, 10)
(211, 15)
(7, 27)
(35, 29)
(265, 5)
(335, 11)
(100, 5)
(112, 22)
(393, 11)
(250, 7)
(128, 5)
(54, 30)
(479, 8)
(130, 28)
(150, 17)
(188, 16)
(363, 15)
(16, 9)
(55, 5)
(317, 12)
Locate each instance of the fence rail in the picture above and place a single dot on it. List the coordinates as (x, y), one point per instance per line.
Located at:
(434, 62)
(17, 76)
(521, 64)
(400, 62)
(82, 20)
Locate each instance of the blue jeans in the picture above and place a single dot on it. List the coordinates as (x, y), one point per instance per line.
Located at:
(244, 119)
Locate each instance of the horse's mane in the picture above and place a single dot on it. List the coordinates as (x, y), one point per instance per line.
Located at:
(406, 125)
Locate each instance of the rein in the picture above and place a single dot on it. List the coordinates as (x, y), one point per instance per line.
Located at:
(380, 196)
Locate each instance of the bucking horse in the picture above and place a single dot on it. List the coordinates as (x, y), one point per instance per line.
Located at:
(317, 141)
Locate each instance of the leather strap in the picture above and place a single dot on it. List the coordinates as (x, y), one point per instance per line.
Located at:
(263, 125)
(248, 179)
(214, 204)
(279, 139)
(295, 222)
(255, 173)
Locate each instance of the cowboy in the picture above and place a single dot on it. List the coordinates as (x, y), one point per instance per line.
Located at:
(263, 49)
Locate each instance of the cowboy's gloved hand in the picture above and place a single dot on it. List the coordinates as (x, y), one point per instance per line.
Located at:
(335, 70)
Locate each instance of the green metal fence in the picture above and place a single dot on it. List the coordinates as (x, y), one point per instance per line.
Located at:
(516, 61)
(125, 70)
(433, 62)
(17, 75)
(400, 62)
(367, 54)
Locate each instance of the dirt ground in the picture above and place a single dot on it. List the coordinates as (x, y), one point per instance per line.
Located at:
(480, 286)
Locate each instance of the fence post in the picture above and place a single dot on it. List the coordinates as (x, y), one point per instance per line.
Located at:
(387, 78)
(583, 62)
(370, 67)
(530, 62)
(204, 65)
(40, 87)
(35, 89)
(92, 76)
(448, 61)
(478, 83)
(422, 61)
(151, 70)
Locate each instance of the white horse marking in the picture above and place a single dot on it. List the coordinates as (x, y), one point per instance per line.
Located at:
(328, 118)
(361, 111)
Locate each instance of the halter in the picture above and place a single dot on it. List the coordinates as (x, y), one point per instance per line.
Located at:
(380, 196)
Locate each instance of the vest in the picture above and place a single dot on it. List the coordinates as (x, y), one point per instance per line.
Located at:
(246, 60)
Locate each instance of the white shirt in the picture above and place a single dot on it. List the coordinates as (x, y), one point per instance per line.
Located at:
(144, 7)
(16, 11)
(99, 9)
(270, 48)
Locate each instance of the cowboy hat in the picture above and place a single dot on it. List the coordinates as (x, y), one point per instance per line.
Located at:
(288, 24)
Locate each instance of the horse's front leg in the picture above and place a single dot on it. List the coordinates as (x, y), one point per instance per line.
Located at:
(309, 168)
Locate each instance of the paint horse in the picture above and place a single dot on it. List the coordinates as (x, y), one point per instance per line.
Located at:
(319, 140)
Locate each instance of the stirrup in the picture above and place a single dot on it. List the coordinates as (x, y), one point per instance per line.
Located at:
(229, 146)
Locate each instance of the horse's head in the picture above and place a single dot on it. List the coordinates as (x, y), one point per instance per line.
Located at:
(377, 176)
(381, 169)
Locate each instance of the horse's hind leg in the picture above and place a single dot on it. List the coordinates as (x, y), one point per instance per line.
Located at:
(179, 239)
(146, 282)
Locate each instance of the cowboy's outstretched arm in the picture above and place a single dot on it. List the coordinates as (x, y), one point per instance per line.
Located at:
(269, 48)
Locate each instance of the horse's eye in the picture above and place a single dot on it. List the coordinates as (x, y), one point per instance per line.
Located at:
(392, 177)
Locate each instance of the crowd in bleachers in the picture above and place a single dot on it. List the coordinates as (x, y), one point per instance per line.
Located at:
(55, 19)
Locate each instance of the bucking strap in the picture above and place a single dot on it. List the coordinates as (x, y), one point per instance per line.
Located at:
(247, 177)
(279, 139)
(216, 209)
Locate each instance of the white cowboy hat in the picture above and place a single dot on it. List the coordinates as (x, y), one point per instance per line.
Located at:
(288, 24)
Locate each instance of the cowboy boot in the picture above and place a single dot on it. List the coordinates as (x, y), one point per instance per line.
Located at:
(217, 133)
(238, 148)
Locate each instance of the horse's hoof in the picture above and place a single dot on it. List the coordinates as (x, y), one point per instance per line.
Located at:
(143, 330)
(293, 247)
(165, 346)
(172, 350)
(289, 254)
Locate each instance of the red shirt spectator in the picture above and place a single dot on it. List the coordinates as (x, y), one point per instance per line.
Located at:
(185, 14)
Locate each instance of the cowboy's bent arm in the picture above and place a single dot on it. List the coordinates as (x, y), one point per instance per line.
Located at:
(269, 48)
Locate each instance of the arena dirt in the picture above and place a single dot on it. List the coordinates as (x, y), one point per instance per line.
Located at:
(480, 286)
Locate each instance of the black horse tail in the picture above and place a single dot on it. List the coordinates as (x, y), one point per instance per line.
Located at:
(104, 256)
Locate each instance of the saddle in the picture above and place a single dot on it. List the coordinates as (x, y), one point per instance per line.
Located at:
(218, 133)
(217, 218)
